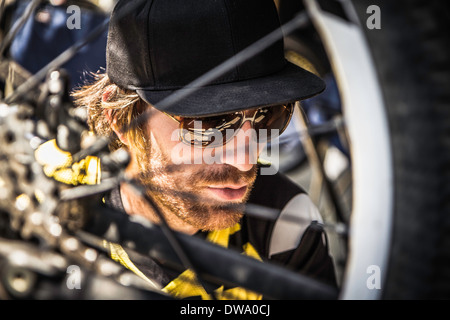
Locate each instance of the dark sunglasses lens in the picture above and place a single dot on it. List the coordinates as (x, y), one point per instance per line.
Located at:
(209, 131)
(272, 118)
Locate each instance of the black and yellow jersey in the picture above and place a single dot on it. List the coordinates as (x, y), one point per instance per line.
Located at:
(295, 240)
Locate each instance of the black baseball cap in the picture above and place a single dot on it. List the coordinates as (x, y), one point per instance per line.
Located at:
(160, 46)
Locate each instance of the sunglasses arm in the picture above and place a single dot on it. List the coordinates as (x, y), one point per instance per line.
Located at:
(172, 117)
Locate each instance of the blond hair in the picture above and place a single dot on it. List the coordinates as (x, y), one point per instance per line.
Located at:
(101, 95)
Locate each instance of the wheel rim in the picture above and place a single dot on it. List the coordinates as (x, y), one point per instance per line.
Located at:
(367, 127)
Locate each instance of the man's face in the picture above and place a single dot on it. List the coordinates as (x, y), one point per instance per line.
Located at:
(206, 195)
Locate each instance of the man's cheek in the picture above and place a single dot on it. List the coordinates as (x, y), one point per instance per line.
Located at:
(181, 155)
(180, 152)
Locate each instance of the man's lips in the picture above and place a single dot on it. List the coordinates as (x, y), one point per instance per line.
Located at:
(228, 192)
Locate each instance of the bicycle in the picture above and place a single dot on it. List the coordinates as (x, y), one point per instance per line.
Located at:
(383, 199)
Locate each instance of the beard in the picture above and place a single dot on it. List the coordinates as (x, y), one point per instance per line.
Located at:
(180, 190)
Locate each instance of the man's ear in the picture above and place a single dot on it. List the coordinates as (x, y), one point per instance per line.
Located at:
(114, 126)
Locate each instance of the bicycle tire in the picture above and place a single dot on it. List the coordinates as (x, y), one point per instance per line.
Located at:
(410, 52)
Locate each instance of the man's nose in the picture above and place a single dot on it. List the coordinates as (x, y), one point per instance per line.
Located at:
(242, 151)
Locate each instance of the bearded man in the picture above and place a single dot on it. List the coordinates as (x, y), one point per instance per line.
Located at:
(196, 157)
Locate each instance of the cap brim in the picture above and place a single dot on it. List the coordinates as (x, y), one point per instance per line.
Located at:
(290, 84)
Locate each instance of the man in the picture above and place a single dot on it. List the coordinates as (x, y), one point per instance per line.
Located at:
(195, 157)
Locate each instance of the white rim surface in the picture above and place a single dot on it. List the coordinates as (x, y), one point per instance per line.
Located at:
(366, 122)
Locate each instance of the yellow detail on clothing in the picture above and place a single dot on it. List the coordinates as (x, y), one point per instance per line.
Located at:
(250, 251)
(58, 164)
(239, 294)
(118, 254)
(221, 237)
(186, 285)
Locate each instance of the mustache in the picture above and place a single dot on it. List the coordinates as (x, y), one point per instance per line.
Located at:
(226, 174)
(223, 173)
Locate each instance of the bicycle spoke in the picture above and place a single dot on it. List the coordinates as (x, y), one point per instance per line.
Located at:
(285, 285)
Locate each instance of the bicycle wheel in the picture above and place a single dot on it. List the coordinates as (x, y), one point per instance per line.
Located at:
(397, 117)
(420, 140)
(393, 77)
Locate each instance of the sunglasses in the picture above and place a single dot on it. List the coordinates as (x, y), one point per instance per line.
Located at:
(216, 131)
